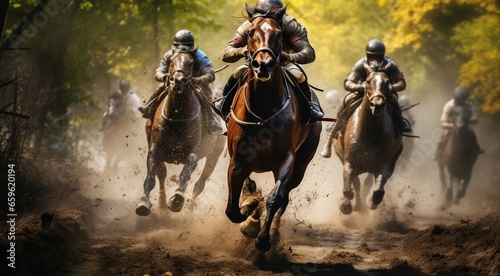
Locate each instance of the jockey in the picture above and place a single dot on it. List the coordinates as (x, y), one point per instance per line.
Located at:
(296, 50)
(460, 105)
(202, 76)
(355, 83)
(122, 106)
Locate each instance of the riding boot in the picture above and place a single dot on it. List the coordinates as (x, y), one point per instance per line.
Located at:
(147, 110)
(227, 95)
(404, 125)
(315, 109)
(327, 148)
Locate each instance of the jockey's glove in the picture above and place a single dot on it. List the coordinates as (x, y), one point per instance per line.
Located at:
(362, 88)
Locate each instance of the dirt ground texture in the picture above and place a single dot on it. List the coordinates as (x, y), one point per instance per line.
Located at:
(88, 226)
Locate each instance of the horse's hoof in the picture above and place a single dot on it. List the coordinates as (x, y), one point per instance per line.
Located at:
(249, 205)
(349, 194)
(326, 152)
(377, 197)
(250, 228)
(263, 245)
(235, 216)
(143, 209)
(346, 206)
(176, 203)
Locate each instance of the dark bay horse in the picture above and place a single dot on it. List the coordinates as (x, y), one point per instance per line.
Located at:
(370, 144)
(265, 132)
(457, 159)
(178, 136)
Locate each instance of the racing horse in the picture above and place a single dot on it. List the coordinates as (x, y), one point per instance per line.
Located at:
(177, 136)
(457, 159)
(370, 144)
(265, 131)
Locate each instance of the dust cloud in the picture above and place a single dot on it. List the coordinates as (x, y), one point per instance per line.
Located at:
(413, 196)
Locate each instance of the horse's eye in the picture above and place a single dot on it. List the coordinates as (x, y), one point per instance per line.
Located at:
(250, 32)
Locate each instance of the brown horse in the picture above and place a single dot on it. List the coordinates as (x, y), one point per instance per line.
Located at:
(457, 160)
(265, 132)
(370, 144)
(177, 136)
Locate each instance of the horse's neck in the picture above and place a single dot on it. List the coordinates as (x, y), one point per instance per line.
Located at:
(180, 105)
(270, 94)
(367, 119)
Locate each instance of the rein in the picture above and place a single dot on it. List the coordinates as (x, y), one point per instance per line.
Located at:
(260, 120)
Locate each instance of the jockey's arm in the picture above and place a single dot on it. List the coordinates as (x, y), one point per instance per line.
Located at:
(356, 77)
(207, 75)
(397, 77)
(237, 47)
(303, 52)
(162, 70)
(295, 38)
(446, 116)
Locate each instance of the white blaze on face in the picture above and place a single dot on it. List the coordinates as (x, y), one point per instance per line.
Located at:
(265, 27)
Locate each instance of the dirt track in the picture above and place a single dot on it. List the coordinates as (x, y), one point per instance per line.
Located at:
(99, 234)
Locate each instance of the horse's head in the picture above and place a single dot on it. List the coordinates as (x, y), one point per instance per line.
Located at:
(461, 119)
(377, 90)
(264, 41)
(181, 69)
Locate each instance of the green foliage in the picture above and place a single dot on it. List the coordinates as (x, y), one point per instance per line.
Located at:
(454, 40)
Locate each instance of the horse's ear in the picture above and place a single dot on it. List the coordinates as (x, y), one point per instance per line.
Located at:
(250, 10)
(280, 12)
(193, 51)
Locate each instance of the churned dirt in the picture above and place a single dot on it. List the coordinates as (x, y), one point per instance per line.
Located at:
(88, 226)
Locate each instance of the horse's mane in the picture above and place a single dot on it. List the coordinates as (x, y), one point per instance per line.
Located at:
(181, 50)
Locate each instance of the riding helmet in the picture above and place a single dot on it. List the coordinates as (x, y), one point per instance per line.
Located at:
(268, 4)
(461, 93)
(404, 100)
(375, 47)
(184, 37)
(124, 86)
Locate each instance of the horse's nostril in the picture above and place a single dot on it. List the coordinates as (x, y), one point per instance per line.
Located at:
(255, 64)
(271, 64)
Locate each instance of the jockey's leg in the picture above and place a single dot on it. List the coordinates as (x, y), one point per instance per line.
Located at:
(404, 125)
(150, 107)
(229, 91)
(301, 78)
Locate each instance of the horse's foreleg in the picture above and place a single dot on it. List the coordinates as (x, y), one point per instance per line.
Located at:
(144, 207)
(176, 202)
(208, 169)
(161, 173)
(275, 201)
(463, 187)
(358, 201)
(348, 177)
(236, 175)
(379, 191)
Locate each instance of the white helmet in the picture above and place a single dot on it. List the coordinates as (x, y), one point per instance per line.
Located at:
(404, 100)
(332, 97)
